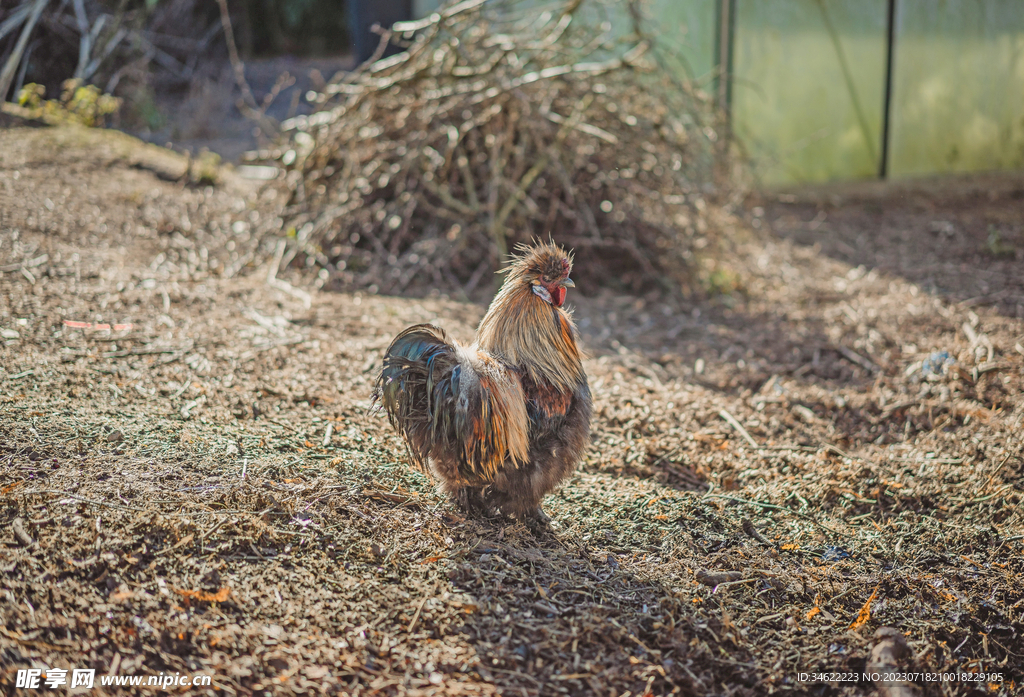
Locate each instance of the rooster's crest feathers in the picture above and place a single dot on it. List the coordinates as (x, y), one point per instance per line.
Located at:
(544, 262)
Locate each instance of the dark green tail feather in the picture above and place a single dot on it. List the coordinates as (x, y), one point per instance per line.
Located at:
(418, 389)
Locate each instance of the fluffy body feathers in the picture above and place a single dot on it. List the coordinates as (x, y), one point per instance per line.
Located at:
(501, 422)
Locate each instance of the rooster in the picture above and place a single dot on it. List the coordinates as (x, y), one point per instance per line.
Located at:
(502, 422)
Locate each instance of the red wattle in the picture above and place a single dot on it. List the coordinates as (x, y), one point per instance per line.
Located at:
(558, 296)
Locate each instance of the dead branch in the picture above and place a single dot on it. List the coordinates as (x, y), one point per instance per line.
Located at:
(248, 105)
(18, 527)
(7, 75)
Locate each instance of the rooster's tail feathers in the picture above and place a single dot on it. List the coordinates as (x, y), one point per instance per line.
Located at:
(454, 405)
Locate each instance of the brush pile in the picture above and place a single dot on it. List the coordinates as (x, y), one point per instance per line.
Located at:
(502, 121)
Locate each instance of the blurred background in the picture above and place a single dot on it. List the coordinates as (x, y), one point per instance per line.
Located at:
(816, 90)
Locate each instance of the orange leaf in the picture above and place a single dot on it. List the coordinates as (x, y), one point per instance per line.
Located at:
(813, 611)
(865, 612)
(11, 486)
(430, 559)
(790, 545)
(218, 597)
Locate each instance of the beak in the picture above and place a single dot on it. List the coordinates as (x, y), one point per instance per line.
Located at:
(567, 283)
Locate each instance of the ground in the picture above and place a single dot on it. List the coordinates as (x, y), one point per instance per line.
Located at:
(193, 480)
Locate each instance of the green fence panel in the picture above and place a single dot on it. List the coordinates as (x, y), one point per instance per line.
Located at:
(809, 87)
(687, 30)
(958, 86)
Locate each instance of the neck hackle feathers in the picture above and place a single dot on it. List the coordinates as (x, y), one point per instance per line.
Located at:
(526, 325)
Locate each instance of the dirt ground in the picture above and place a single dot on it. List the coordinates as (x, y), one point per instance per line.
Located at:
(192, 481)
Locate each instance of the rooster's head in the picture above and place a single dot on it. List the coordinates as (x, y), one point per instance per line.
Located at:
(545, 269)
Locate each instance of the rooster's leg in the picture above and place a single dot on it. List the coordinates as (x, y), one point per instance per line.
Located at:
(537, 521)
(538, 516)
(470, 500)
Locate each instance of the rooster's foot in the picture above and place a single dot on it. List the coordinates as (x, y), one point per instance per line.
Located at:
(537, 520)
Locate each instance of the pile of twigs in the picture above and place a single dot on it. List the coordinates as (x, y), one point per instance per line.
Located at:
(501, 122)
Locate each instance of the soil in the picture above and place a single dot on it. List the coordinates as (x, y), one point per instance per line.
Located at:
(192, 480)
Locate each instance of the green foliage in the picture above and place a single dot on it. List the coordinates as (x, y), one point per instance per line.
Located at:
(142, 110)
(204, 170)
(722, 282)
(83, 104)
(31, 96)
(996, 245)
(294, 11)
